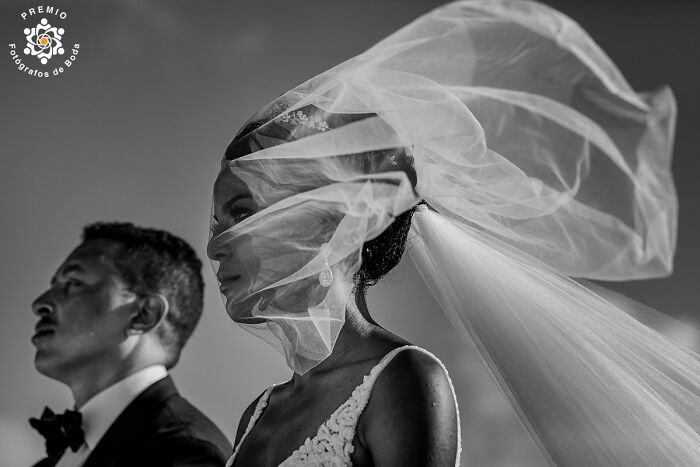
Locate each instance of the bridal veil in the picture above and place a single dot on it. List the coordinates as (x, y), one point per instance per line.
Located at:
(538, 163)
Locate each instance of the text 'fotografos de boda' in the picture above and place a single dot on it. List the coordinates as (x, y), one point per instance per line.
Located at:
(42, 53)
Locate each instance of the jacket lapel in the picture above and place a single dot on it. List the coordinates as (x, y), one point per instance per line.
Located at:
(124, 427)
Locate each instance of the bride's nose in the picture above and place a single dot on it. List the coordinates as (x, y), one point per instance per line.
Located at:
(216, 249)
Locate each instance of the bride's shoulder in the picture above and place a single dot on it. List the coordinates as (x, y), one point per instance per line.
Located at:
(412, 370)
(412, 395)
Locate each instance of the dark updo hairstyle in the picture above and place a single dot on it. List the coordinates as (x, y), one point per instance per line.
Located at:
(383, 253)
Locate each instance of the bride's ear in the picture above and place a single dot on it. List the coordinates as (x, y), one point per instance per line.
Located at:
(151, 312)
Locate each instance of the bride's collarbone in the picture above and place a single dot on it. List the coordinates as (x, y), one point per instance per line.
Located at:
(294, 414)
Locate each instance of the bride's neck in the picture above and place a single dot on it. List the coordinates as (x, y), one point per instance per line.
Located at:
(358, 326)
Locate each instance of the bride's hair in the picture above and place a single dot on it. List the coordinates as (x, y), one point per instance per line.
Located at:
(383, 253)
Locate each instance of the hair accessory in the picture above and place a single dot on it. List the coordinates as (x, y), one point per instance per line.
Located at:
(300, 118)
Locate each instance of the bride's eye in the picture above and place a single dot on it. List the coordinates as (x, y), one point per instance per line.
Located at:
(238, 215)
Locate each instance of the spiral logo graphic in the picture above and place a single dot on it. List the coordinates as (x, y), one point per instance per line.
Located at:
(44, 41)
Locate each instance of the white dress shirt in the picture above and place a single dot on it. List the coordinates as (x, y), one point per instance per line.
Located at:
(104, 407)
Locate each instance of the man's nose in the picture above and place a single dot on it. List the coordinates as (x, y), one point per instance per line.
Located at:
(42, 306)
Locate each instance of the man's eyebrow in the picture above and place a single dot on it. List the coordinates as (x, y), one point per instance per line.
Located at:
(68, 269)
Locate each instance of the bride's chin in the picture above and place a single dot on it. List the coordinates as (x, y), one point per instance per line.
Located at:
(250, 320)
(242, 312)
(246, 318)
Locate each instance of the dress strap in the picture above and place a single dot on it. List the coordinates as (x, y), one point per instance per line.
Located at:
(259, 407)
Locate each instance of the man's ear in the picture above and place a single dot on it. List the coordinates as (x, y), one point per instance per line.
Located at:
(151, 313)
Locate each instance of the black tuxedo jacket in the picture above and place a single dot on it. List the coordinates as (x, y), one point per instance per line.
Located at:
(158, 429)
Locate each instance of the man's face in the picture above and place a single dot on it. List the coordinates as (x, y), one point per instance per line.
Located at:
(84, 316)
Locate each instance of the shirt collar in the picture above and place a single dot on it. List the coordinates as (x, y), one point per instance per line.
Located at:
(104, 407)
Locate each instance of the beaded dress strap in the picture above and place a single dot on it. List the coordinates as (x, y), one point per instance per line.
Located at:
(259, 407)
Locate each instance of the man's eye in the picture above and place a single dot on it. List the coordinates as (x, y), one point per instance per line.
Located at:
(71, 283)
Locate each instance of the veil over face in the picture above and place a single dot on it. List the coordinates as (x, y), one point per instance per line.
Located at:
(540, 163)
(283, 213)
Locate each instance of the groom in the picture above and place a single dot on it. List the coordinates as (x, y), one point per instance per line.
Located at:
(111, 325)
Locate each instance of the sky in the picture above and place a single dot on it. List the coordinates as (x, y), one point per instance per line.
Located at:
(134, 131)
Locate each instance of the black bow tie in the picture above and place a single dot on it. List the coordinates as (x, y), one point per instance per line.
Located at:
(60, 430)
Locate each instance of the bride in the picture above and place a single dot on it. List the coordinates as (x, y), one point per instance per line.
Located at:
(509, 147)
(412, 416)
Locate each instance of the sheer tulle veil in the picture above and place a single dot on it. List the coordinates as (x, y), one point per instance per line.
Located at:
(593, 385)
(539, 165)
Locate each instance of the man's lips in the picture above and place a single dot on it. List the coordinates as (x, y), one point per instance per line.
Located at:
(43, 330)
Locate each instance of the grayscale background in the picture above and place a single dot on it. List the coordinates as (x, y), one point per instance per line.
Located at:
(135, 130)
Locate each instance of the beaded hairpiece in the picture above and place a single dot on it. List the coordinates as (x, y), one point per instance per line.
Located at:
(300, 118)
(317, 123)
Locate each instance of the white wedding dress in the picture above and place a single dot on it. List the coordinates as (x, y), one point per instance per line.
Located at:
(332, 445)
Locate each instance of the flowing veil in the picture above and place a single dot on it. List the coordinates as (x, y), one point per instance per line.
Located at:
(539, 165)
(592, 385)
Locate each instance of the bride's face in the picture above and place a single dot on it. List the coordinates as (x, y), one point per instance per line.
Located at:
(237, 265)
(266, 251)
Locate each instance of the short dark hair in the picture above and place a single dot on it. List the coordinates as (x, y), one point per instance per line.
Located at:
(155, 261)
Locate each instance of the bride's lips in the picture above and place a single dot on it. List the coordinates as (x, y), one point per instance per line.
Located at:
(226, 280)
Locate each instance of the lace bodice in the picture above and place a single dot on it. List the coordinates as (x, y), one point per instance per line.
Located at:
(332, 444)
